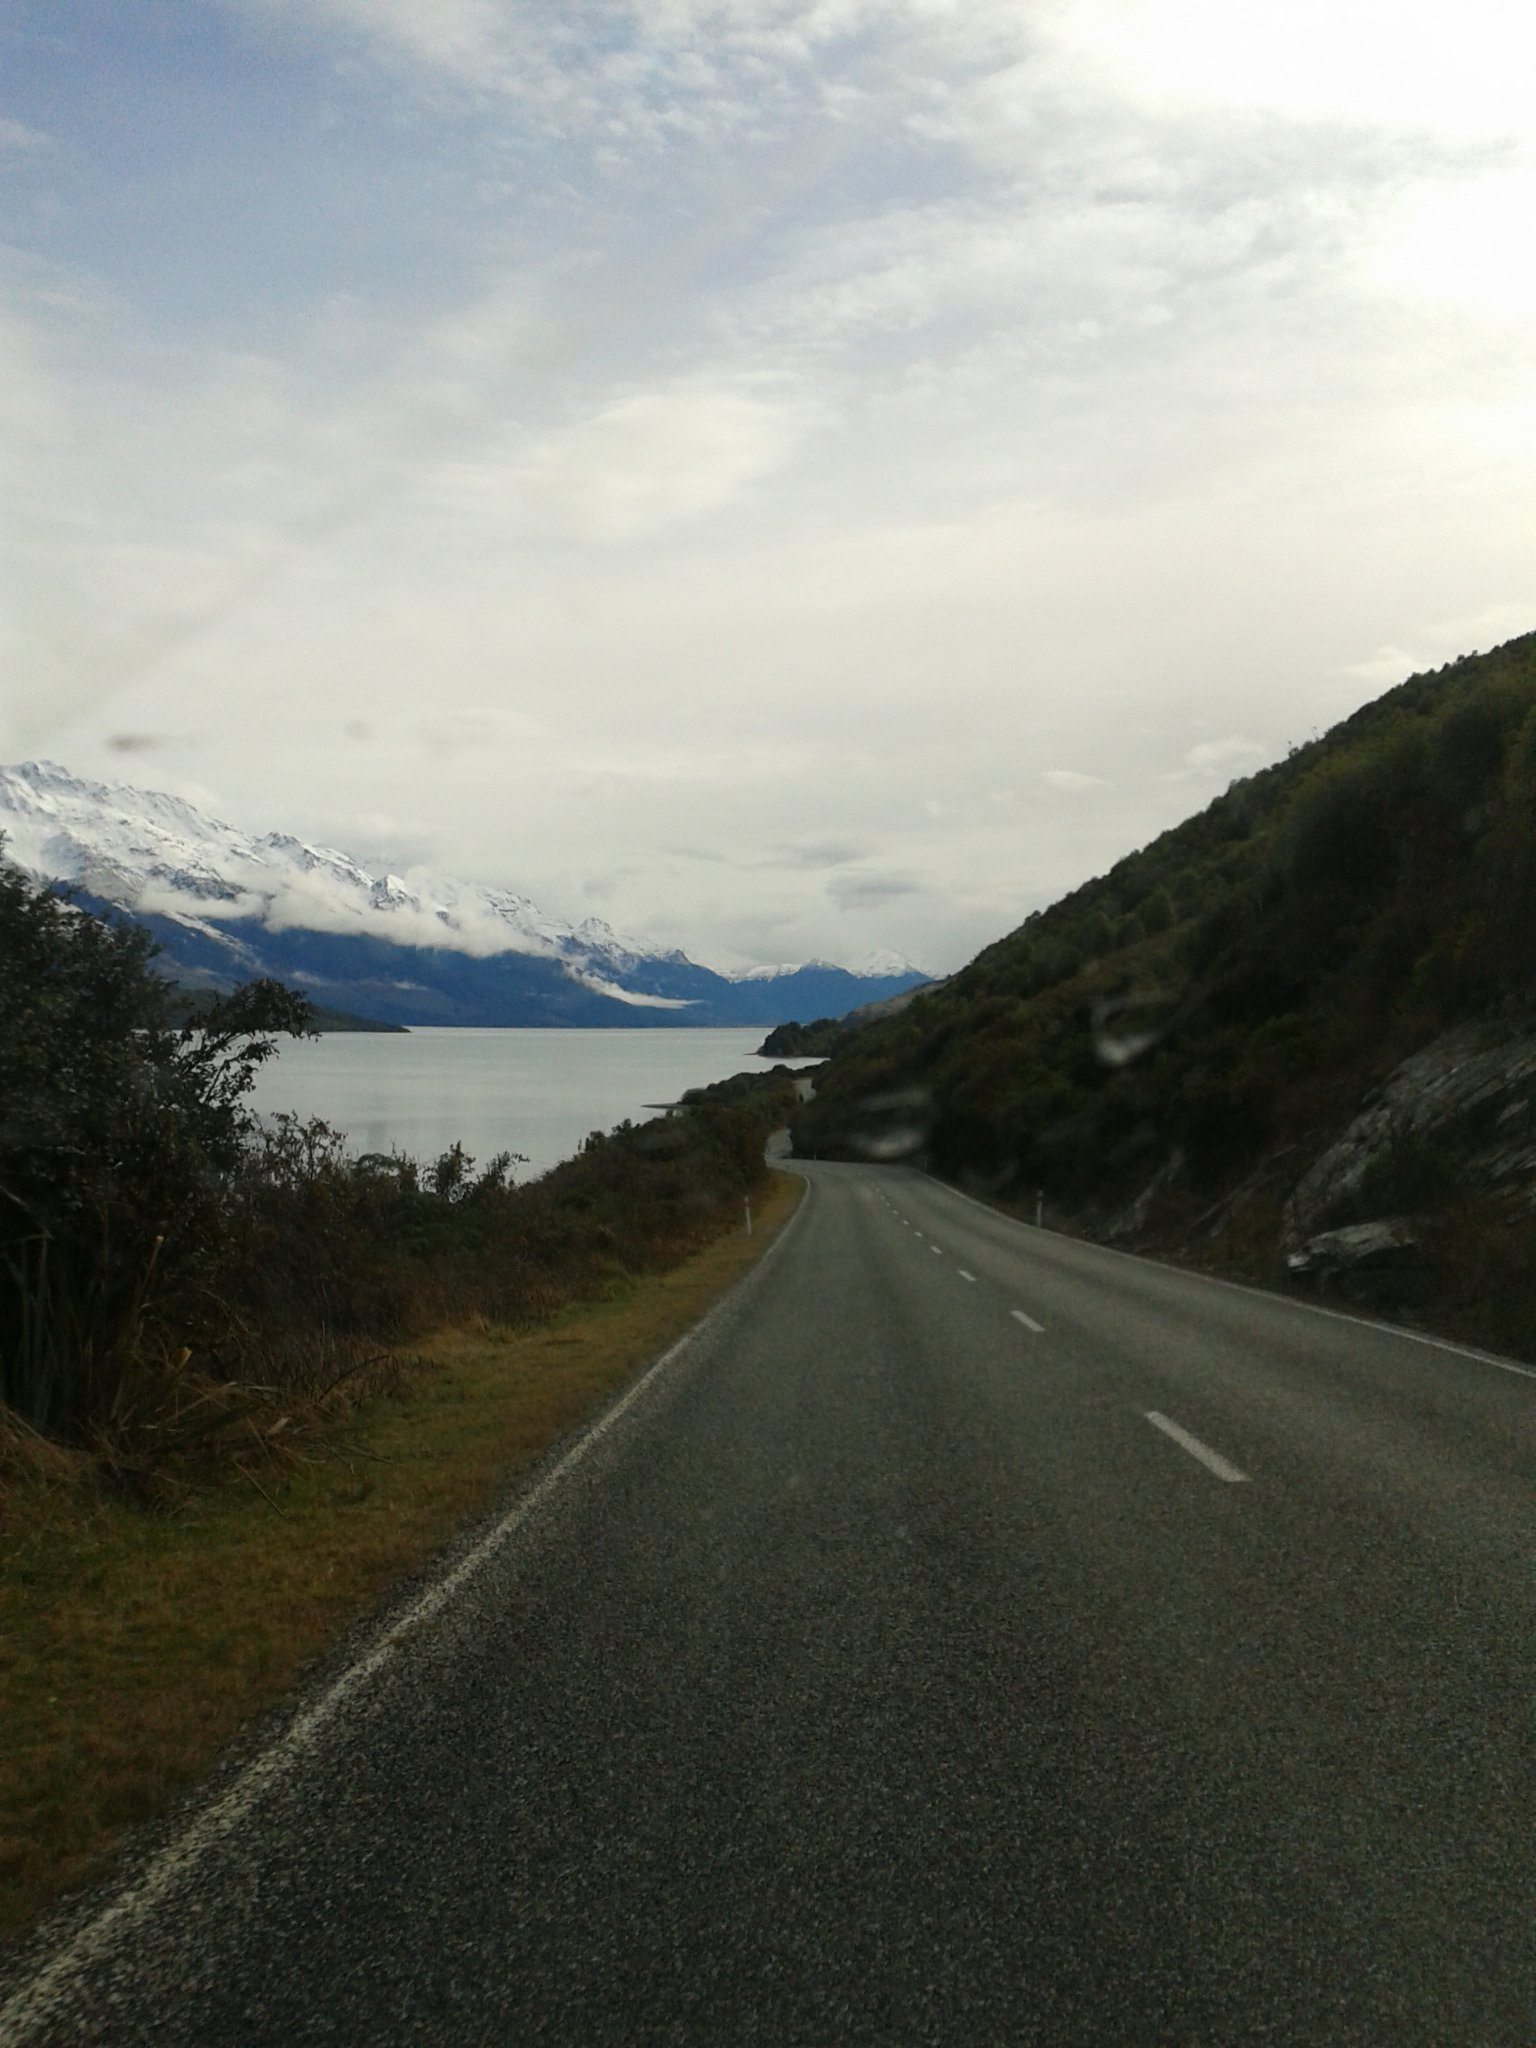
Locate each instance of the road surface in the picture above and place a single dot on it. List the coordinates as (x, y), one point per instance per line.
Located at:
(970, 1636)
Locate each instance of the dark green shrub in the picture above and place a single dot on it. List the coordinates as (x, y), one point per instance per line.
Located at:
(119, 1139)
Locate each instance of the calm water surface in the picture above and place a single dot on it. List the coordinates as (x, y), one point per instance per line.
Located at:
(535, 1092)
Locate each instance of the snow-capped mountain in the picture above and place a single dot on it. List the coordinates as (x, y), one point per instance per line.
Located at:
(155, 853)
(884, 965)
(422, 948)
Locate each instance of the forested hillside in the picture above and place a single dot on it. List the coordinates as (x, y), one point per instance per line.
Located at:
(1306, 1009)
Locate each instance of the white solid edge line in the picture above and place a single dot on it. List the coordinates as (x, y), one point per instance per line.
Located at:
(967, 1276)
(1212, 1460)
(30, 2004)
(1312, 1308)
(1028, 1321)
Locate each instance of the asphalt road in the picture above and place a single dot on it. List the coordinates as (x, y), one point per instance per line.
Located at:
(970, 1636)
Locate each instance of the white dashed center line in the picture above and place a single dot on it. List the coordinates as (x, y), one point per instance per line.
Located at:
(1028, 1321)
(967, 1276)
(937, 1250)
(1213, 1461)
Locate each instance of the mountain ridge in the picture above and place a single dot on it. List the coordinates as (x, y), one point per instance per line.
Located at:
(226, 905)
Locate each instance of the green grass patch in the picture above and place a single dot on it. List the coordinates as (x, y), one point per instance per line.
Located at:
(136, 1643)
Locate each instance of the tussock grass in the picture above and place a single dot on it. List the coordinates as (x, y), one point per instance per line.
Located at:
(136, 1645)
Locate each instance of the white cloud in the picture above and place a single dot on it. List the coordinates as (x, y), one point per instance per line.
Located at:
(17, 136)
(1220, 760)
(1465, 243)
(643, 461)
(1071, 779)
(429, 909)
(601, 987)
(1442, 640)
(1409, 63)
(625, 79)
(466, 38)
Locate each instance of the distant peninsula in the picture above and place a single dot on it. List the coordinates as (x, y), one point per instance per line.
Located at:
(802, 1041)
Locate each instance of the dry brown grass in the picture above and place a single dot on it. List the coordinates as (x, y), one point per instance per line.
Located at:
(137, 1643)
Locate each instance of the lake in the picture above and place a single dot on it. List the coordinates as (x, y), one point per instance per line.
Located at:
(535, 1092)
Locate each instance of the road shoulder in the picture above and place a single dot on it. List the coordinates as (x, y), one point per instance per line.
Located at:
(142, 1645)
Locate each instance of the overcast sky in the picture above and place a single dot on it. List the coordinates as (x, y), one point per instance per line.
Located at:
(787, 476)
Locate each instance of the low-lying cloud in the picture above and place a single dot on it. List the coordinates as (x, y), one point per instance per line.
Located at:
(863, 892)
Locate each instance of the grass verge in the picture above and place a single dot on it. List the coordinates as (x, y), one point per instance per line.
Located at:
(136, 1644)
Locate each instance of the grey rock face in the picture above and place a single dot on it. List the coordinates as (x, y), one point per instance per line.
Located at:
(1358, 1245)
(1474, 1093)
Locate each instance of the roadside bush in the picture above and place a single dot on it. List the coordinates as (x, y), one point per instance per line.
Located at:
(119, 1142)
(171, 1267)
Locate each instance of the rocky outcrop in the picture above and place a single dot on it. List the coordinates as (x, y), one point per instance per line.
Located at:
(1463, 1107)
(1359, 1247)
